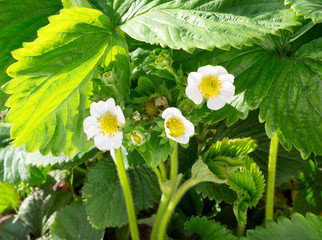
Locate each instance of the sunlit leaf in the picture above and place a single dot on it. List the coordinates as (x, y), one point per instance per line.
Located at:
(9, 197)
(51, 81)
(309, 8)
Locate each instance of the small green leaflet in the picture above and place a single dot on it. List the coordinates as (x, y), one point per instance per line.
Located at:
(51, 81)
(9, 197)
(209, 229)
(309, 8)
(249, 184)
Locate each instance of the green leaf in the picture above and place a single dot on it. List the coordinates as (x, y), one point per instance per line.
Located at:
(13, 167)
(289, 164)
(231, 148)
(4, 136)
(293, 101)
(72, 224)
(222, 158)
(52, 83)
(38, 211)
(217, 192)
(191, 24)
(309, 8)
(13, 229)
(9, 197)
(249, 184)
(287, 91)
(117, 59)
(209, 229)
(62, 161)
(103, 194)
(19, 22)
(298, 228)
(309, 197)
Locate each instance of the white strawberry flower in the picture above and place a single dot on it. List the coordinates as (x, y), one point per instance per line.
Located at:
(104, 125)
(213, 83)
(177, 127)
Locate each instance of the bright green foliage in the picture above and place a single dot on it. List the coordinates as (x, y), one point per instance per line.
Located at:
(309, 8)
(19, 21)
(103, 194)
(249, 185)
(72, 224)
(191, 24)
(231, 148)
(117, 59)
(217, 192)
(298, 228)
(38, 211)
(309, 197)
(51, 81)
(9, 197)
(209, 229)
(222, 158)
(13, 229)
(289, 164)
(14, 169)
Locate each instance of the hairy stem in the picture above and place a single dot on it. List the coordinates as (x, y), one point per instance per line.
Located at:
(167, 193)
(127, 194)
(271, 178)
(172, 204)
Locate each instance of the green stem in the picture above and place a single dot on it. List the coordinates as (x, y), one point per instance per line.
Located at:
(71, 183)
(167, 193)
(127, 194)
(163, 171)
(174, 167)
(171, 206)
(271, 178)
(157, 172)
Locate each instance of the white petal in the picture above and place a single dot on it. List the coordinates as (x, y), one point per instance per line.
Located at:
(227, 91)
(184, 139)
(171, 112)
(194, 78)
(216, 103)
(117, 140)
(226, 77)
(120, 115)
(90, 121)
(190, 129)
(98, 109)
(91, 131)
(211, 70)
(102, 142)
(194, 94)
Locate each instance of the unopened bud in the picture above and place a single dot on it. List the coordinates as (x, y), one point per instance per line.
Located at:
(137, 138)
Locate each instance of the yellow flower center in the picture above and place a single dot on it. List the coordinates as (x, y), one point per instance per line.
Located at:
(175, 126)
(210, 86)
(108, 124)
(136, 138)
